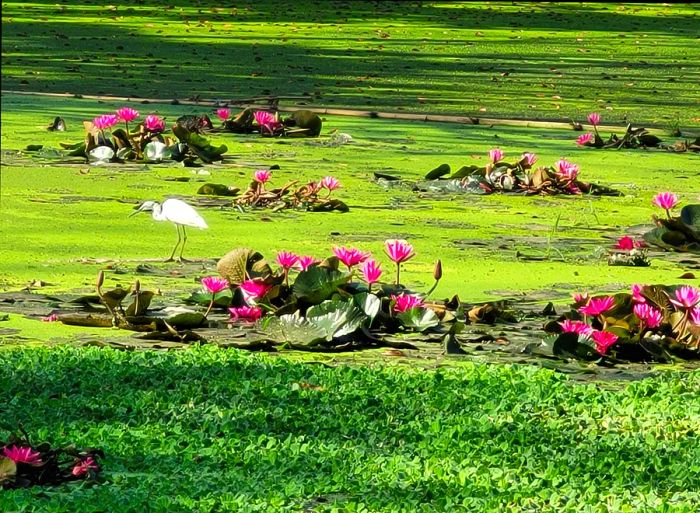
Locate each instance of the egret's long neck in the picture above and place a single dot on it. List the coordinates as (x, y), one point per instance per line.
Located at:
(158, 212)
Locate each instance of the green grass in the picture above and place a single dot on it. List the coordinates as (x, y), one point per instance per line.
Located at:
(632, 62)
(211, 430)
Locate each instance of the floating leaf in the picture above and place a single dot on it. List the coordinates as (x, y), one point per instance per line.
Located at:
(100, 155)
(293, 329)
(336, 318)
(318, 283)
(8, 469)
(241, 264)
(418, 319)
(156, 151)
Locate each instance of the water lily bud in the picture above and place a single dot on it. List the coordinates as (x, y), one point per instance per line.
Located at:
(137, 286)
(100, 279)
(437, 272)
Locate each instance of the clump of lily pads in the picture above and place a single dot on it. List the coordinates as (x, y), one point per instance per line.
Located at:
(305, 302)
(302, 123)
(107, 141)
(652, 323)
(675, 232)
(632, 138)
(519, 176)
(23, 464)
(314, 196)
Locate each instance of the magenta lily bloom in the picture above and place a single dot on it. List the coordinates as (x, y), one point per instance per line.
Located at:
(648, 314)
(329, 182)
(628, 243)
(578, 327)
(223, 114)
(214, 284)
(350, 256)
(262, 175)
(530, 158)
(584, 139)
(22, 455)
(603, 340)
(287, 259)
(84, 466)
(307, 261)
(105, 121)
(566, 170)
(405, 302)
(637, 296)
(495, 155)
(695, 316)
(579, 297)
(254, 289)
(371, 271)
(666, 200)
(686, 297)
(266, 121)
(127, 114)
(154, 123)
(50, 318)
(597, 306)
(594, 118)
(246, 313)
(399, 251)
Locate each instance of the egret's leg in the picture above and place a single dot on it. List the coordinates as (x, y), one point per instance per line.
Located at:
(172, 255)
(184, 240)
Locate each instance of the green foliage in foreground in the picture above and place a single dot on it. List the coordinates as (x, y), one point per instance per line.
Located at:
(210, 430)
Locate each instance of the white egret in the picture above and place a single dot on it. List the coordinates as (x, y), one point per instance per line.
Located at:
(177, 212)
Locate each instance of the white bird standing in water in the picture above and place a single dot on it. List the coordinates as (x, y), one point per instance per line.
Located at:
(177, 212)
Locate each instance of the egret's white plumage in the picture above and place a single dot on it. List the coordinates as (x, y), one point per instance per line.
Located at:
(177, 212)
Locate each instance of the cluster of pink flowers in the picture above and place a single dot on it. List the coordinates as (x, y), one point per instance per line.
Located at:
(105, 121)
(566, 170)
(584, 139)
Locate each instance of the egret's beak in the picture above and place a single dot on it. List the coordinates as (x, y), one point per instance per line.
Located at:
(136, 211)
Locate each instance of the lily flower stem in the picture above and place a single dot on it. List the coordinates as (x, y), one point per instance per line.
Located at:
(398, 274)
(432, 288)
(211, 305)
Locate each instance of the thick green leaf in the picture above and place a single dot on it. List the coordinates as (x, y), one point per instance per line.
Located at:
(293, 329)
(690, 215)
(200, 297)
(441, 170)
(8, 469)
(241, 264)
(317, 284)
(368, 303)
(336, 318)
(418, 319)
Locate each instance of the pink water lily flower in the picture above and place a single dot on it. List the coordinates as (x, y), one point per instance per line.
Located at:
(307, 261)
(603, 340)
(350, 256)
(105, 121)
(50, 318)
(584, 139)
(648, 314)
(686, 297)
(579, 297)
(665, 200)
(566, 170)
(329, 182)
(695, 316)
(628, 243)
(214, 284)
(637, 296)
(371, 270)
(154, 123)
(254, 289)
(594, 118)
(597, 306)
(266, 121)
(399, 250)
(246, 313)
(287, 260)
(22, 455)
(84, 466)
(578, 327)
(495, 155)
(405, 302)
(530, 158)
(262, 175)
(223, 114)
(127, 114)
